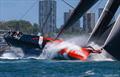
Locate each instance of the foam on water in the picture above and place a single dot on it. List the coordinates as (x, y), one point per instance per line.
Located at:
(9, 56)
(89, 73)
(13, 53)
(50, 51)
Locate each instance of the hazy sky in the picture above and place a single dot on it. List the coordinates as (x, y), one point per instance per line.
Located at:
(14, 9)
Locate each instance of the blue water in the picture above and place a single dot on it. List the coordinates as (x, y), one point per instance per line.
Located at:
(52, 68)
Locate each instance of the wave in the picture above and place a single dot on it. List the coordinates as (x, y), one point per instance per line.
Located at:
(12, 53)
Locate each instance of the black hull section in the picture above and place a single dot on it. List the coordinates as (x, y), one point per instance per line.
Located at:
(25, 41)
(28, 43)
(31, 52)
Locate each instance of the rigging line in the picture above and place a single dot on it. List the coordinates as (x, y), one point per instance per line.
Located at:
(28, 10)
(68, 4)
(71, 7)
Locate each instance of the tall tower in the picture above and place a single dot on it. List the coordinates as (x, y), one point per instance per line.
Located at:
(100, 11)
(47, 16)
(88, 22)
(75, 27)
(66, 17)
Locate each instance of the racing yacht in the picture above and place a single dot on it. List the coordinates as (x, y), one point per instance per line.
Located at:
(32, 45)
(106, 36)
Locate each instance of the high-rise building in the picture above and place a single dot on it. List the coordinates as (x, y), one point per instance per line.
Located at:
(100, 11)
(88, 22)
(47, 16)
(75, 27)
(66, 17)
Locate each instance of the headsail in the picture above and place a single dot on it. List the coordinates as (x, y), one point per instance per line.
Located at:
(112, 43)
(104, 20)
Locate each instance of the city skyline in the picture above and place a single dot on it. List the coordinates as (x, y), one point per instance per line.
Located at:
(88, 22)
(14, 9)
(23, 5)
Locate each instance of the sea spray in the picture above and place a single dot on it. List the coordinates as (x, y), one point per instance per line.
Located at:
(13, 53)
(80, 40)
(71, 42)
(51, 50)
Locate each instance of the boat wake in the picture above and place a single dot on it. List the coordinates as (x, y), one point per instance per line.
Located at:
(12, 53)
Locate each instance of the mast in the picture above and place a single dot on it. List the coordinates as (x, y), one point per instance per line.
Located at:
(104, 20)
(112, 44)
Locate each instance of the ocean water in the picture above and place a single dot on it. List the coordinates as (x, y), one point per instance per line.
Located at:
(54, 68)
